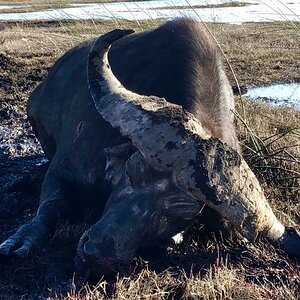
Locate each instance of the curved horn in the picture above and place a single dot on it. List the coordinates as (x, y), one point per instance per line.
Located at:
(172, 140)
(152, 123)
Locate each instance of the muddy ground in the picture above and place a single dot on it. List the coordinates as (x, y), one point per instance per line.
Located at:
(258, 54)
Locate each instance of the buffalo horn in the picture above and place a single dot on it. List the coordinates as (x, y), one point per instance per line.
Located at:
(174, 141)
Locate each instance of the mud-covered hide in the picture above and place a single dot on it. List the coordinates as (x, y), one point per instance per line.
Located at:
(145, 208)
(172, 140)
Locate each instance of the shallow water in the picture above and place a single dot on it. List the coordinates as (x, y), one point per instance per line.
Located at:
(279, 94)
(256, 11)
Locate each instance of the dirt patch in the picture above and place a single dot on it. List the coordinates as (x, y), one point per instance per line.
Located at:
(258, 54)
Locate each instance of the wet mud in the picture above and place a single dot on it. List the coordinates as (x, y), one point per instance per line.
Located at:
(22, 169)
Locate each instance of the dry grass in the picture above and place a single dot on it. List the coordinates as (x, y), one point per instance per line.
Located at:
(274, 155)
(51, 3)
(219, 5)
(33, 8)
(259, 54)
(215, 269)
(41, 5)
(220, 281)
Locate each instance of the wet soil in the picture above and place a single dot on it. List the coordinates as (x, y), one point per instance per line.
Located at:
(22, 169)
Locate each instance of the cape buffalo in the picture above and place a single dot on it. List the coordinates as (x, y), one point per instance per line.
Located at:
(151, 161)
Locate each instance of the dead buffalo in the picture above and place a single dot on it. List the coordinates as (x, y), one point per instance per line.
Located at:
(151, 161)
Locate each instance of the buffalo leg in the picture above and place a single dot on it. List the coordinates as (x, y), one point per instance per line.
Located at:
(52, 206)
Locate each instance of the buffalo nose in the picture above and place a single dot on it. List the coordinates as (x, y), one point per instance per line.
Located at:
(86, 249)
(89, 248)
(98, 253)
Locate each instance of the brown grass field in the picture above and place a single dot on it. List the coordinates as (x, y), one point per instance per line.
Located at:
(39, 5)
(211, 263)
(48, 3)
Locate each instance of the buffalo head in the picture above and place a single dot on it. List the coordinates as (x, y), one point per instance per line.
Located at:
(176, 167)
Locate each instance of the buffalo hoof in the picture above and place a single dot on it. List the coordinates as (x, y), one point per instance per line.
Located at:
(26, 238)
(290, 242)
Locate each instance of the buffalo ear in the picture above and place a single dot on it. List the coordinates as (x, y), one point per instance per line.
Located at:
(116, 158)
(126, 160)
(138, 172)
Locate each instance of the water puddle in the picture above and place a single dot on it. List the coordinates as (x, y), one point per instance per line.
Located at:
(249, 11)
(284, 94)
